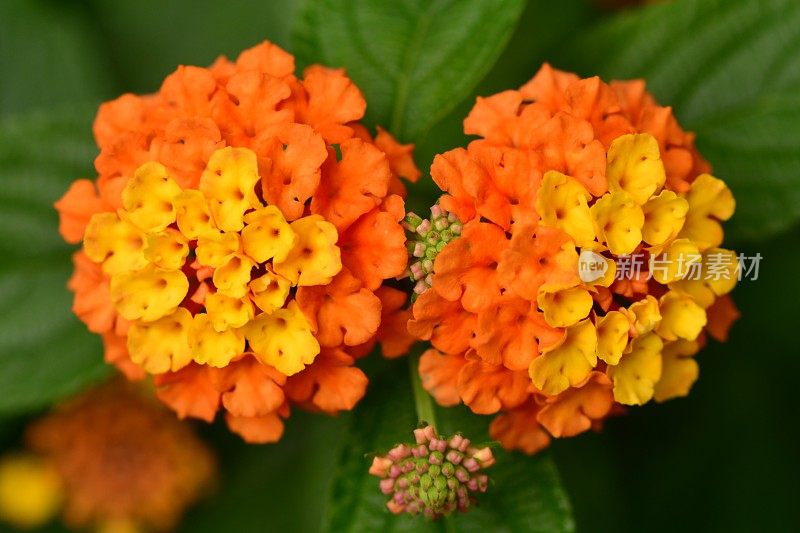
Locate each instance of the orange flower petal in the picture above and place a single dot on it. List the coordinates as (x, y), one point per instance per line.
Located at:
(352, 186)
(486, 388)
(341, 312)
(266, 58)
(331, 384)
(332, 101)
(721, 316)
(401, 160)
(439, 374)
(446, 324)
(518, 429)
(92, 303)
(250, 388)
(466, 268)
(191, 391)
(573, 411)
(538, 256)
(76, 207)
(256, 429)
(393, 333)
(511, 333)
(289, 166)
(374, 248)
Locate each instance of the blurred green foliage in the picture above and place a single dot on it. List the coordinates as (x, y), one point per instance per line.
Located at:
(724, 459)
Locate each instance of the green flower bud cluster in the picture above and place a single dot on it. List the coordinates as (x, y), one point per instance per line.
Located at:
(435, 476)
(426, 238)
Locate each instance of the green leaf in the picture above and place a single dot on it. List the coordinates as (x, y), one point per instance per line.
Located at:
(148, 39)
(525, 493)
(731, 71)
(50, 54)
(45, 352)
(415, 60)
(273, 487)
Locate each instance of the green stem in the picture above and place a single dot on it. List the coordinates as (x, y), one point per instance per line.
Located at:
(422, 400)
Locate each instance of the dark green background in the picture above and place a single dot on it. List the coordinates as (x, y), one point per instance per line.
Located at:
(727, 458)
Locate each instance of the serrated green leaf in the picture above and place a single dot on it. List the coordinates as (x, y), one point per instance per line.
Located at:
(45, 352)
(415, 60)
(50, 54)
(731, 71)
(525, 494)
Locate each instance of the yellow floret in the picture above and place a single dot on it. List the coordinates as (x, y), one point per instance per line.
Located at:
(618, 222)
(229, 185)
(681, 317)
(710, 201)
(315, 258)
(232, 277)
(212, 347)
(167, 249)
(148, 198)
(634, 166)
(116, 243)
(283, 340)
(638, 371)
(679, 370)
(270, 291)
(664, 216)
(30, 491)
(562, 203)
(612, 336)
(565, 307)
(569, 363)
(267, 235)
(192, 214)
(148, 294)
(226, 312)
(163, 345)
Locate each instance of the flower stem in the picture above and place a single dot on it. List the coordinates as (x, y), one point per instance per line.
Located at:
(422, 400)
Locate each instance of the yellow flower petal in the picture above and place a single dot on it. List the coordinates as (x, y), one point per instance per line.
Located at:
(283, 340)
(710, 201)
(30, 491)
(270, 291)
(267, 235)
(231, 278)
(679, 370)
(565, 307)
(634, 166)
(192, 214)
(229, 185)
(562, 203)
(118, 244)
(644, 314)
(618, 222)
(664, 216)
(212, 347)
(676, 262)
(148, 294)
(638, 371)
(718, 276)
(315, 258)
(226, 312)
(148, 198)
(163, 345)
(567, 364)
(215, 248)
(681, 317)
(612, 336)
(167, 249)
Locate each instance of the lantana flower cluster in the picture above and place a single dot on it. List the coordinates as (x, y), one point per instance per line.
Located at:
(566, 168)
(237, 237)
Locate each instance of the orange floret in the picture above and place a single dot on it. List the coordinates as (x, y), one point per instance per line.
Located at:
(242, 224)
(529, 306)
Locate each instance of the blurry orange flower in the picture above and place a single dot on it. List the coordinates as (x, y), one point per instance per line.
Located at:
(238, 234)
(122, 459)
(567, 174)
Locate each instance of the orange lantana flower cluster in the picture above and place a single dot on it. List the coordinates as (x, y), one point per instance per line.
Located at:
(237, 237)
(570, 172)
(125, 463)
